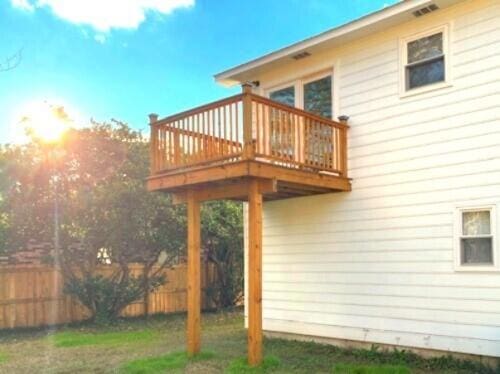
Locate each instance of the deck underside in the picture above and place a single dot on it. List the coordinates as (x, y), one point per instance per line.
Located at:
(230, 181)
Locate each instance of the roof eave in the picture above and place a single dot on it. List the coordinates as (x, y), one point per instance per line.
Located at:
(233, 75)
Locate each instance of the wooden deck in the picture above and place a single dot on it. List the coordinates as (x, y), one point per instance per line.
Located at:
(223, 145)
(247, 148)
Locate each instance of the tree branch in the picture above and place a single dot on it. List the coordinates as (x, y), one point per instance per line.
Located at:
(11, 62)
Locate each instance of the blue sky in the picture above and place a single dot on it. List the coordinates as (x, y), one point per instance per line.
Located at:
(124, 59)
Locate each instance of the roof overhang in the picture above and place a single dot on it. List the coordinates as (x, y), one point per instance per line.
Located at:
(361, 27)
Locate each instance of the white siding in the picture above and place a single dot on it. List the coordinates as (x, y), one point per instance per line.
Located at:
(376, 264)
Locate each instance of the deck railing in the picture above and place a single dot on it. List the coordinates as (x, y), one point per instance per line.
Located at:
(248, 126)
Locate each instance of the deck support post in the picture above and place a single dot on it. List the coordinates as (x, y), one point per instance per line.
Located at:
(254, 274)
(193, 274)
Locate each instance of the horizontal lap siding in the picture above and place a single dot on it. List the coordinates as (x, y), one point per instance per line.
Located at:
(376, 264)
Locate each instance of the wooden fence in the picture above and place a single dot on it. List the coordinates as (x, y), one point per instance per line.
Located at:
(33, 296)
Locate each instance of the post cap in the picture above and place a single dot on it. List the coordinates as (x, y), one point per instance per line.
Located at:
(246, 87)
(343, 118)
(153, 117)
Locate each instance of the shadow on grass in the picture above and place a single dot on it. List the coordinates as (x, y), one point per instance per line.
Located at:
(155, 365)
(78, 339)
(369, 369)
(240, 366)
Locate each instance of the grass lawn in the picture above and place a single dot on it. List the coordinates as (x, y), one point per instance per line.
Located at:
(157, 346)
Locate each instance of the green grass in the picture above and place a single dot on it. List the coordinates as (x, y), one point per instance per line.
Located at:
(3, 357)
(78, 339)
(145, 346)
(369, 369)
(155, 365)
(240, 366)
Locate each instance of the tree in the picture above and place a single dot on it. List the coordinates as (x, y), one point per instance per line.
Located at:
(222, 239)
(96, 176)
(88, 191)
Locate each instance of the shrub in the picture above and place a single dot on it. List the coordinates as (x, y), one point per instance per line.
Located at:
(106, 297)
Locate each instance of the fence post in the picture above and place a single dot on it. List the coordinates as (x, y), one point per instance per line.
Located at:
(145, 274)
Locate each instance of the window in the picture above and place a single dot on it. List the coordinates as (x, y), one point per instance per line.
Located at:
(104, 256)
(425, 61)
(313, 94)
(476, 238)
(284, 96)
(318, 97)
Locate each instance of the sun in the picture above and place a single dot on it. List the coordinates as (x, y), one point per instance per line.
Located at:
(45, 121)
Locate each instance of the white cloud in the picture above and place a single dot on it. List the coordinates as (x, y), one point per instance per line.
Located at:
(23, 4)
(103, 15)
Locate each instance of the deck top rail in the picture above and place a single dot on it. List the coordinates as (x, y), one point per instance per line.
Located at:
(252, 127)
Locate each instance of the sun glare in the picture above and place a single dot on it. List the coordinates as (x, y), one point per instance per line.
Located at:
(45, 121)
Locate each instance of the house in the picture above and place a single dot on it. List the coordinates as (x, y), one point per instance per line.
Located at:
(377, 228)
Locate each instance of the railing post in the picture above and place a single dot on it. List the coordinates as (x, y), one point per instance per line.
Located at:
(153, 142)
(248, 147)
(343, 145)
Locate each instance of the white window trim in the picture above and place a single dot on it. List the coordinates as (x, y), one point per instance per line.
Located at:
(458, 234)
(298, 85)
(403, 61)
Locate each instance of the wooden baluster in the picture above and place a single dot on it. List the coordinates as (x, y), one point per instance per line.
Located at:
(185, 142)
(259, 127)
(315, 142)
(237, 126)
(170, 156)
(224, 123)
(200, 137)
(206, 132)
(189, 139)
(286, 140)
(214, 131)
(219, 127)
(231, 124)
(292, 137)
(192, 137)
(280, 133)
(163, 159)
(323, 132)
(196, 138)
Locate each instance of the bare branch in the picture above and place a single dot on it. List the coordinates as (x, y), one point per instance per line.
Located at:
(12, 62)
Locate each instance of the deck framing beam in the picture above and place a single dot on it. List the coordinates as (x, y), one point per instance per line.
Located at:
(238, 190)
(215, 173)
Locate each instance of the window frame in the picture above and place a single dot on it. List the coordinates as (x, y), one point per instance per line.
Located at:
(403, 63)
(458, 235)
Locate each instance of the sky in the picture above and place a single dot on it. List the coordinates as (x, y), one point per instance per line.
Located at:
(124, 59)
